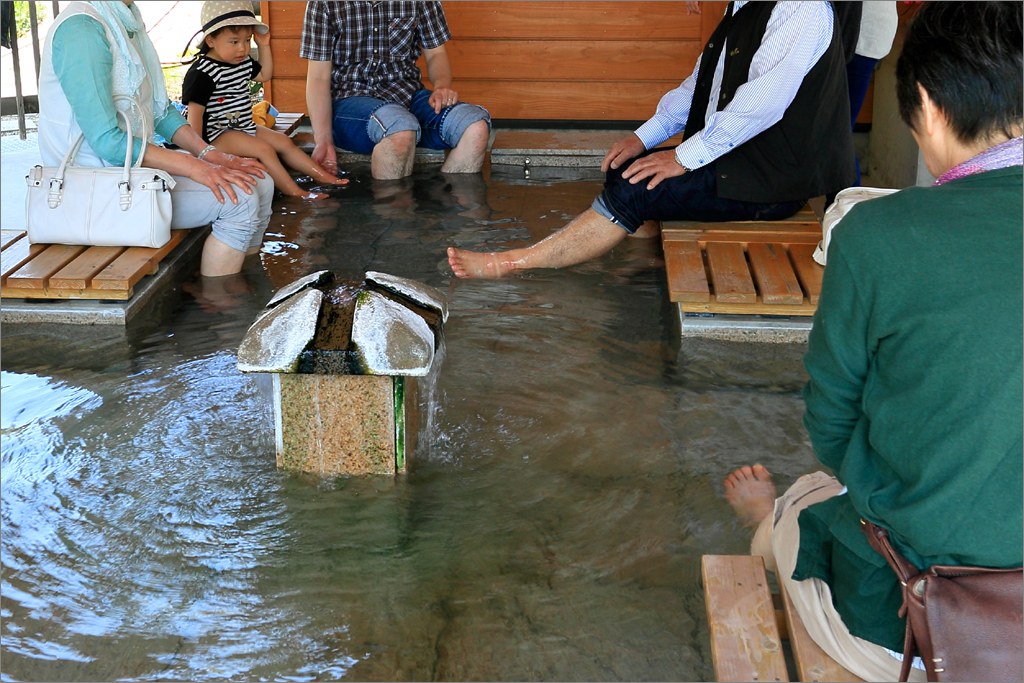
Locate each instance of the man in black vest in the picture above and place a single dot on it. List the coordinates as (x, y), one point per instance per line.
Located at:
(765, 128)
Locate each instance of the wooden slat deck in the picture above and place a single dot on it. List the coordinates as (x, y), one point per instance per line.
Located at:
(744, 267)
(746, 631)
(57, 271)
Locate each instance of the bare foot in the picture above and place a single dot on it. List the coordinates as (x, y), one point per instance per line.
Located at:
(322, 176)
(472, 264)
(751, 493)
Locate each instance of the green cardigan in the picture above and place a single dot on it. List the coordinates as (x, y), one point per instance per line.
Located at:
(914, 398)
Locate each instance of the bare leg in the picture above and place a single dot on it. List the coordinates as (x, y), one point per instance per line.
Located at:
(587, 236)
(219, 259)
(751, 493)
(648, 229)
(294, 158)
(468, 155)
(242, 144)
(393, 156)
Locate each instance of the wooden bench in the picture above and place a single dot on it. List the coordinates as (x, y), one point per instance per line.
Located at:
(288, 122)
(744, 267)
(747, 629)
(59, 271)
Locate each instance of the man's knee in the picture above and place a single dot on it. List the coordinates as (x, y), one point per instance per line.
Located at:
(466, 121)
(400, 144)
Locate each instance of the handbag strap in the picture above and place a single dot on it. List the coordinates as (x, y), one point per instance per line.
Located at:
(878, 538)
(56, 189)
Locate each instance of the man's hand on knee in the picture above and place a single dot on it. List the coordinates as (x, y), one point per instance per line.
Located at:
(658, 167)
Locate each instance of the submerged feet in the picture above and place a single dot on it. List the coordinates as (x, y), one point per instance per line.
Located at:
(472, 264)
(751, 493)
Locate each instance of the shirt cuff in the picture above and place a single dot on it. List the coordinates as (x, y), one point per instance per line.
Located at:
(692, 153)
(651, 134)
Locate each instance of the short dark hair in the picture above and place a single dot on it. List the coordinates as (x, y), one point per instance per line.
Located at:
(967, 57)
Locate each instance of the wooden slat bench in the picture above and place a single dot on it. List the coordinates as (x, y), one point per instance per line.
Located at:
(288, 122)
(744, 267)
(747, 630)
(58, 271)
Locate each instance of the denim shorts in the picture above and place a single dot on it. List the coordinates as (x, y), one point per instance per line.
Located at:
(362, 122)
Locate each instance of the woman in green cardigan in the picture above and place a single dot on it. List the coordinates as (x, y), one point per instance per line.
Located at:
(914, 399)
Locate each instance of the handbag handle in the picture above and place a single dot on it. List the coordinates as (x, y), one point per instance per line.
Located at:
(56, 189)
(878, 538)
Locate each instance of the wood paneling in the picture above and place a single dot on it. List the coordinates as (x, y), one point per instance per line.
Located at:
(583, 61)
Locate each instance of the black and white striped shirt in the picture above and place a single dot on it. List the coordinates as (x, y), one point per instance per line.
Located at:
(224, 90)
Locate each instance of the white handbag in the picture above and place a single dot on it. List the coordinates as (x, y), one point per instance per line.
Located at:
(100, 205)
(837, 210)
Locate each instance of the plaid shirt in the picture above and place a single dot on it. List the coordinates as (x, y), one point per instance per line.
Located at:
(373, 45)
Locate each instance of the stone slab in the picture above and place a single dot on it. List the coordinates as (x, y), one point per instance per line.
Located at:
(334, 425)
(90, 312)
(745, 328)
(567, 148)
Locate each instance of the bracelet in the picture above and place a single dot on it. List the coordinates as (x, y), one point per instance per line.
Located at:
(206, 150)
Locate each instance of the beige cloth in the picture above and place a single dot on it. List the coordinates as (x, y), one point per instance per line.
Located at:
(777, 540)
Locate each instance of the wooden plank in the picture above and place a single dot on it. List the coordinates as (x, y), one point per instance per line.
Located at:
(572, 100)
(805, 309)
(774, 274)
(740, 236)
(15, 255)
(745, 643)
(812, 663)
(807, 269)
(35, 274)
(287, 122)
(804, 220)
(646, 21)
(684, 267)
(544, 19)
(78, 274)
(134, 264)
(9, 236)
(730, 274)
(544, 60)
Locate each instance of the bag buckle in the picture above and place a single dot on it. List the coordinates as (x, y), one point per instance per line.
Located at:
(53, 197)
(125, 189)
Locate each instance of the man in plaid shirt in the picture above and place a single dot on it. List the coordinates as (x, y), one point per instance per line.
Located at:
(365, 93)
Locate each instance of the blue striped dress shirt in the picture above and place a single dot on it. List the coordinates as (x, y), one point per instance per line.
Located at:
(797, 35)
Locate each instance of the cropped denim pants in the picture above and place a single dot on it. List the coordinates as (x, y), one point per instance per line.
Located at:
(361, 122)
(692, 196)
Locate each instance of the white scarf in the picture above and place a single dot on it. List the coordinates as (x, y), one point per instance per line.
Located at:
(138, 58)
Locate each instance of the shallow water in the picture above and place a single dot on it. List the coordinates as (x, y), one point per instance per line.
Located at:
(550, 526)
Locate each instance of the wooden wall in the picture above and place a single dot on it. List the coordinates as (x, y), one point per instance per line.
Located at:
(573, 61)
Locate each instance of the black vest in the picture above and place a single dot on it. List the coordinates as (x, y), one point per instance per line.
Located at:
(809, 152)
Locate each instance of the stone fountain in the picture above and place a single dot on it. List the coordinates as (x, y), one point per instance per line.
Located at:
(344, 357)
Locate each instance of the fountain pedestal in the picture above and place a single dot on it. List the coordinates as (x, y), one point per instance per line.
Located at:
(344, 358)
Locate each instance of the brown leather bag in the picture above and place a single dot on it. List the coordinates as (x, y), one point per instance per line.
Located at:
(965, 622)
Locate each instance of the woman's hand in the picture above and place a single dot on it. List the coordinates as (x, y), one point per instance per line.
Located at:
(441, 98)
(245, 164)
(222, 180)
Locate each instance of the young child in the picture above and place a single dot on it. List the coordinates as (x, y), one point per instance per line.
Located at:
(216, 92)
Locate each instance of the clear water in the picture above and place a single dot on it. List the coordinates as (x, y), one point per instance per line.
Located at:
(550, 526)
